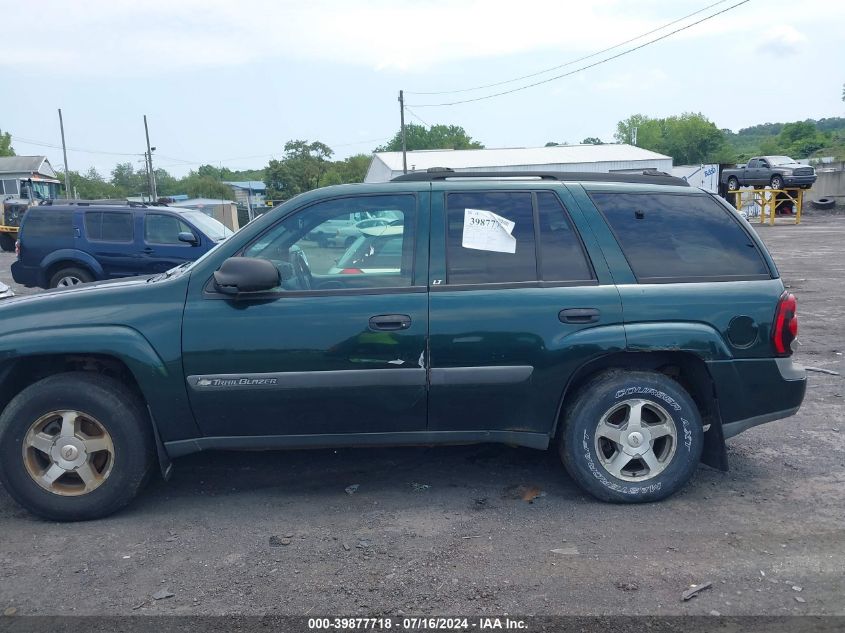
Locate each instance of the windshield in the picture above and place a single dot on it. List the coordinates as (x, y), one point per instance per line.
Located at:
(781, 160)
(212, 228)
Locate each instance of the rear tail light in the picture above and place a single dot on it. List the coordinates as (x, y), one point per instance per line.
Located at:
(785, 329)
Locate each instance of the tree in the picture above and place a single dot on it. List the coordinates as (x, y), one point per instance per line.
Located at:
(592, 140)
(689, 138)
(352, 169)
(301, 169)
(434, 137)
(6, 148)
(92, 186)
(129, 181)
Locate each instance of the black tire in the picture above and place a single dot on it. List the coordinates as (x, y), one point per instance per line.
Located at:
(733, 183)
(7, 242)
(824, 203)
(579, 444)
(776, 182)
(69, 273)
(115, 407)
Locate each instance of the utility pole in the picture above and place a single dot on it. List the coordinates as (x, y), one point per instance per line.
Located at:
(64, 151)
(402, 124)
(153, 192)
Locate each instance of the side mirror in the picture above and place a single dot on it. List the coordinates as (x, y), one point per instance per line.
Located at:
(245, 274)
(190, 238)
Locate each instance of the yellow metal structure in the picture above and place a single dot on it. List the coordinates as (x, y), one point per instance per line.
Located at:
(768, 200)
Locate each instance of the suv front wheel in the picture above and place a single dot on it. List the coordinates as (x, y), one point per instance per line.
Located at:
(631, 436)
(75, 446)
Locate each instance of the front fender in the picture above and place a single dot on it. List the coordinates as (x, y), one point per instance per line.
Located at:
(161, 383)
(73, 255)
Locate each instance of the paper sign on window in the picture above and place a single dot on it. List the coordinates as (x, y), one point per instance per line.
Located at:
(486, 231)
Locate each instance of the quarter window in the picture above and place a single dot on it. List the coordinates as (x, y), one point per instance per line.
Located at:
(347, 243)
(48, 223)
(490, 238)
(673, 237)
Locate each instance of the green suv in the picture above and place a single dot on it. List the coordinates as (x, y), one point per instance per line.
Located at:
(629, 321)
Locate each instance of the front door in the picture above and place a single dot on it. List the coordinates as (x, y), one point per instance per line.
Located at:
(337, 348)
(516, 307)
(162, 249)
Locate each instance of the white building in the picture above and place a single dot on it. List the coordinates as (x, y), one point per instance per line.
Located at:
(585, 158)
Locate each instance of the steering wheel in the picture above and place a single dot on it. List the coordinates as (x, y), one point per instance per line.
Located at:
(301, 270)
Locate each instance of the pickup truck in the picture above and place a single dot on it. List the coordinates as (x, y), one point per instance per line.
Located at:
(777, 172)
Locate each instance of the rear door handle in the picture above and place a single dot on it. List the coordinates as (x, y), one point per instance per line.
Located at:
(384, 322)
(149, 250)
(579, 315)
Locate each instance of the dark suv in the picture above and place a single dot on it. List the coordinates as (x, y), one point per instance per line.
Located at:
(630, 322)
(65, 245)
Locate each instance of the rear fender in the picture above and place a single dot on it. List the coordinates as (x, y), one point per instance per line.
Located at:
(77, 257)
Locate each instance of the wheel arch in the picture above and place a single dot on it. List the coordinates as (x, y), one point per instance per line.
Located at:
(66, 257)
(44, 353)
(686, 368)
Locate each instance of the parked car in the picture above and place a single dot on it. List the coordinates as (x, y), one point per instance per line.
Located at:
(66, 245)
(631, 322)
(5, 291)
(776, 172)
(343, 231)
(376, 250)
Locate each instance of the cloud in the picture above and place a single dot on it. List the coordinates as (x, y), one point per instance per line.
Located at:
(155, 37)
(781, 41)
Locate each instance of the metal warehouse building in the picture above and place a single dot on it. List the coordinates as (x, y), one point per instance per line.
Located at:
(590, 158)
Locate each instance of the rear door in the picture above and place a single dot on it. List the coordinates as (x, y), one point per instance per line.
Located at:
(520, 297)
(110, 237)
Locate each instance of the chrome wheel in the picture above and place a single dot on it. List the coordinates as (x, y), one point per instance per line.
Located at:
(68, 453)
(68, 281)
(636, 440)
(733, 184)
(777, 183)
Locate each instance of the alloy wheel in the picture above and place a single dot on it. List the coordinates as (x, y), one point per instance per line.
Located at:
(68, 453)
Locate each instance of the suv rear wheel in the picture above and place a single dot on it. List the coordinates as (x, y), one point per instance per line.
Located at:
(631, 437)
(75, 446)
(71, 276)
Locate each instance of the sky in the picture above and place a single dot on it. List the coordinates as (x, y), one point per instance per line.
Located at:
(228, 83)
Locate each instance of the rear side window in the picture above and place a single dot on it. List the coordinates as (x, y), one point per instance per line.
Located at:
(48, 223)
(562, 256)
(482, 249)
(675, 237)
(109, 226)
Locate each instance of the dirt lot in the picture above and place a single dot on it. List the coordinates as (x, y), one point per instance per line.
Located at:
(443, 530)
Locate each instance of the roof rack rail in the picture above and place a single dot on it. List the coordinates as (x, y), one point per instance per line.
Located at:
(96, 203)
(646, 176)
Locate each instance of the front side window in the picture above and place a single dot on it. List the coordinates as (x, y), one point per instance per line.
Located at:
(109, 226)
(348, 243)
(490, 238)
(160, 228)
(678, 237)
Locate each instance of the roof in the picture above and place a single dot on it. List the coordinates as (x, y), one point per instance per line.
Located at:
(515, 156)
(255, 185)
(201, 202)
(26, 164)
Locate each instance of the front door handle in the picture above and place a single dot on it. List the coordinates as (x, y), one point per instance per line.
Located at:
(384, 322)
(579, 315)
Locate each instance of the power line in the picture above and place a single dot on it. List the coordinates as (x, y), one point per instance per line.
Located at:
(574, 61)
(26, 141)
(588, 66)
(416, 116)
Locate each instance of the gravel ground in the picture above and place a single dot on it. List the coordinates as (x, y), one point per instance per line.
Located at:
(446, 530)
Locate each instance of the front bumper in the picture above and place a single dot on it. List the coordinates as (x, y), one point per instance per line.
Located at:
(755, 391)
(799, 181)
